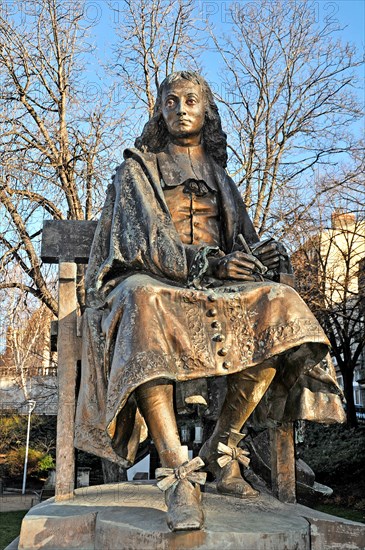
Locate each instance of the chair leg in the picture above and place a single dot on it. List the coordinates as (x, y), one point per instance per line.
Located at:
(67, 346)
(283, 462)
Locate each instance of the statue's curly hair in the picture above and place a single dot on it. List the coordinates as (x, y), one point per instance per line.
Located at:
(154, 136)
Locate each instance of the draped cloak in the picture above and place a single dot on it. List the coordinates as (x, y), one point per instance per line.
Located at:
(143, 321)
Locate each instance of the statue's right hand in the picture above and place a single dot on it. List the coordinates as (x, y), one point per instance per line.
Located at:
(237, 265)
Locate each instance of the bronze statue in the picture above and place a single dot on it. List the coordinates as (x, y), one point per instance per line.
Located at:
(180, 288)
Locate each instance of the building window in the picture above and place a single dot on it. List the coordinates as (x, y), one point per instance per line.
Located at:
(359, 396)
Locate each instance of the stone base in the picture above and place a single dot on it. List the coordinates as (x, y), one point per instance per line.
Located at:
(131, 515)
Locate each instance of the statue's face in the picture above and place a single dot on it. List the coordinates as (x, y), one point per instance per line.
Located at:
(183, 109)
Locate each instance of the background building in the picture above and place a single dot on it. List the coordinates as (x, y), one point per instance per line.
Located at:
(330, 277)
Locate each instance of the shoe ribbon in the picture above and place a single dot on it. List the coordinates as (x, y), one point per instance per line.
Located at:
(231, 452)
(167, 477)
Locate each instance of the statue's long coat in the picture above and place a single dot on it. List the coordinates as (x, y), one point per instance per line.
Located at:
(143, 322)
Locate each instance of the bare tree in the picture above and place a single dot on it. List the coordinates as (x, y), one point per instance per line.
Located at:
(289, 91)
(52, 141)
(155, 39)
(327, 266)
(26, 358)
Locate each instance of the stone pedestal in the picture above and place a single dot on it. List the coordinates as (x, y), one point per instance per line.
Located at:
(131, 516)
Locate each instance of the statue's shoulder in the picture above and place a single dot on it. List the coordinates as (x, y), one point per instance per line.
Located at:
(136, 163)
(143, 158)
(134, 158)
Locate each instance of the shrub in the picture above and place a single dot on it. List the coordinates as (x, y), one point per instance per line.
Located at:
(46, 463)
(15, 461)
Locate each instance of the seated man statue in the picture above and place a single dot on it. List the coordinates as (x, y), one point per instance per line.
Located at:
(179, 288)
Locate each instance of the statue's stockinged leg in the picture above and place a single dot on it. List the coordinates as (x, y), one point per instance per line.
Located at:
(178, 477)
(221, 452)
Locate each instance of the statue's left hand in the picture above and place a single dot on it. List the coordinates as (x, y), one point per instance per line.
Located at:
(237, 266)
(269, 253)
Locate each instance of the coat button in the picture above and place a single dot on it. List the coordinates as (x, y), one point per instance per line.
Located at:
(217, 325)
(212, 298)
(212, 312)
(219, 337)
(223, 352)
(227, 365)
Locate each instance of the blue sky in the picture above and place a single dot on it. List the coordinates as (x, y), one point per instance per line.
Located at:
(344, 13)
(350, 13)
(347, 15)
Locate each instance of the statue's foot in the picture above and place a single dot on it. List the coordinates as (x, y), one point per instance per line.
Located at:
(182, 492)
(184, 507)
(230, 482)
(223, 460)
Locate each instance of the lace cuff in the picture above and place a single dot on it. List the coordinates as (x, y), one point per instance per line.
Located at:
(200, 265)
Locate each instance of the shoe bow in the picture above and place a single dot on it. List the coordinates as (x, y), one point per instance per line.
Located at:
(167, 477)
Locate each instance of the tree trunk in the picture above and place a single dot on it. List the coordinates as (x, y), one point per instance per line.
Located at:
(351, 418)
